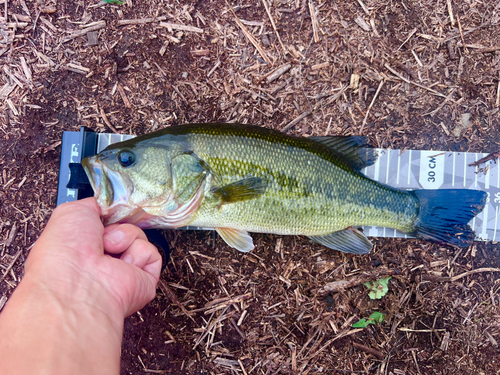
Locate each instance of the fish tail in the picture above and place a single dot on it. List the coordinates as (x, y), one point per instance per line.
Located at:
(444, 215)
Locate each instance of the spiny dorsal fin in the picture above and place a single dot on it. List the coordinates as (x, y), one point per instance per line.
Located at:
(241, 190)
(354, 148)
(349, 240)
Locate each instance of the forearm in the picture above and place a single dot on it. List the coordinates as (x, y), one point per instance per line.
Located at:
(43, 333)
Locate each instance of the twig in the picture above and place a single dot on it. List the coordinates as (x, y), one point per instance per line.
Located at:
(498, 94)
(172, 297)
(123, 95)
(250, 37)
(97, 26)
(140, 21)
(450, 12)
(413, 83)
(292, 123)
(461, 32)
(492, 156)
(175, 26)
(217, 64)
(439, 107)
(274, 25)
(472, 272)
(314, 21)
(278, 72)
(368, 350)
(340, 285)
(371, 105)
(106, 121)
(365, 9)
(9, 267)
(407, 38)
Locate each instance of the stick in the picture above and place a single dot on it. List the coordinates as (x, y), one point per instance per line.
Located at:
(498, 94)
(365, 9)
(413, 83)
(292, 123)
(278, 72)
(123, 95)
(274, 26)
(175, 26)
(99, 25)
(314, 22)
(250, 37)
(371, 105)
(408, 38)
(340, 285)
(472, 272)
(140, 21)
(450, 12)
(172, 297)
(9, 267)
(368, 350)
(106, 121)
(461, 32)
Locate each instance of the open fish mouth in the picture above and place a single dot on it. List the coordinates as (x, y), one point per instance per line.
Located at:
(111, 188)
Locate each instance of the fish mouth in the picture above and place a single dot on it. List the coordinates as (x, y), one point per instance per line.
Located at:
(111, 188)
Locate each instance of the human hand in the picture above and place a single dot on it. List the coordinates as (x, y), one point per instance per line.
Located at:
(73, 259)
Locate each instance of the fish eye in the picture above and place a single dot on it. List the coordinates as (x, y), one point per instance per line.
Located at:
(126, 158)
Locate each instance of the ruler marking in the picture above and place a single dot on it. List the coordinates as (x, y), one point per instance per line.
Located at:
(475, 174)
(409, 168)
(387, 169)
(377, 169)
(498, 173)
(496, 224)
(465, 169)
(453, 170)
(399, 166)
(484, 233)
(487, 177)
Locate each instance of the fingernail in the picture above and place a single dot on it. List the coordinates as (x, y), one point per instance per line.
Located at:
(127, 258)
(114, 237)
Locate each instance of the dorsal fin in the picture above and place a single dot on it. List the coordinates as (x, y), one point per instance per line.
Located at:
(354, 148)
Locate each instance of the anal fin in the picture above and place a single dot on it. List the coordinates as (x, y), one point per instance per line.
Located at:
(239, 239)
(349, 240)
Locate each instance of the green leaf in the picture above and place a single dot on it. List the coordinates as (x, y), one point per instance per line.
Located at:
(363, 323)
(377, 317)
(378, 289)
(119, 2)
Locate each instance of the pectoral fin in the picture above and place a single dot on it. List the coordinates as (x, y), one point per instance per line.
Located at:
(349, 240)
(242, 190)
(239, 239)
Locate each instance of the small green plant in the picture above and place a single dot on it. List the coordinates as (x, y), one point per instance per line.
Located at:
(376, 317)
(119, 2)
(377, 289)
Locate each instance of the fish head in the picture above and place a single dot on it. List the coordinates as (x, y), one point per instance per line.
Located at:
(127, 177)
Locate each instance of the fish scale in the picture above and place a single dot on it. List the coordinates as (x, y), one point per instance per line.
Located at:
(306, 192)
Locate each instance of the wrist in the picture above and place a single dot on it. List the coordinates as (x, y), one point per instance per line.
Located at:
(61, 334)
(77, 293)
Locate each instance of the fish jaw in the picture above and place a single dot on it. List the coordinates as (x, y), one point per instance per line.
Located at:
(112, 190)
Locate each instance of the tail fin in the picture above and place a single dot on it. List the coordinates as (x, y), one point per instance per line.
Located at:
(444, 215)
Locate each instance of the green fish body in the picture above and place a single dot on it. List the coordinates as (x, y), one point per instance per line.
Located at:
(239, 178)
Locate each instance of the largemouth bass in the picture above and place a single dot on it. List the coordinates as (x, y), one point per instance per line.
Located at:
(240, 178)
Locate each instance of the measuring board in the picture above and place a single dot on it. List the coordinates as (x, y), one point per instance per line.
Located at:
(411, 169)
